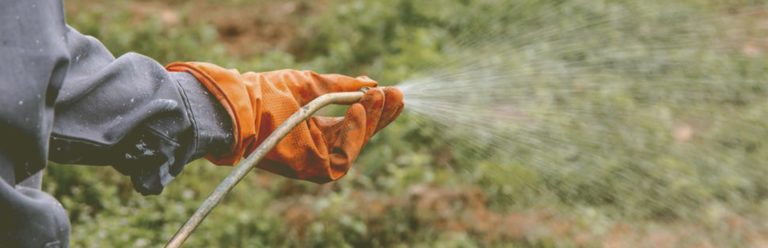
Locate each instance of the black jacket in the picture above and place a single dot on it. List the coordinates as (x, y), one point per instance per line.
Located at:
(64, 97)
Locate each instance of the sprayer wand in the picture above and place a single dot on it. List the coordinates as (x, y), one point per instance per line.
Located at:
(252, 160)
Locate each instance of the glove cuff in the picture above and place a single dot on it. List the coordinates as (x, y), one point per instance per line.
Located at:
(227, 87)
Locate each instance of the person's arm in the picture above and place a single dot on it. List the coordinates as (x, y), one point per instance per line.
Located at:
(67, 99)
(56, 84)
(147, 122)
(129, 112)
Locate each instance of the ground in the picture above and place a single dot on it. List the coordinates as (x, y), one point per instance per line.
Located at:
(409, 188)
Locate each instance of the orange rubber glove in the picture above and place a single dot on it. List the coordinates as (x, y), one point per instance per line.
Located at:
(320, 150)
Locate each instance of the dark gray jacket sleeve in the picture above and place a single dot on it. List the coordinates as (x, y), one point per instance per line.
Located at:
(64, 97)
(129, 112)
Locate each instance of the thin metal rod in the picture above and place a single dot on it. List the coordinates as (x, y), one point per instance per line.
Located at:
(252, 160)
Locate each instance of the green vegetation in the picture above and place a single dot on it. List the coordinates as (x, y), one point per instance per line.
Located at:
(411, 187)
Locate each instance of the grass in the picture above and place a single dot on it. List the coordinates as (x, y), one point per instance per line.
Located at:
(410, 187)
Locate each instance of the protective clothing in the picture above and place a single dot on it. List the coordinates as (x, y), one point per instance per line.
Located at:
(320, 150)
(38, 220)
(64, 97)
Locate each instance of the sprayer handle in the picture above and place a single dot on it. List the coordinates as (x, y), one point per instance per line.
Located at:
(246, 165)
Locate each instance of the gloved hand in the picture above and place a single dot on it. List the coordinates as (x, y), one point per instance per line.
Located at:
(321, 149)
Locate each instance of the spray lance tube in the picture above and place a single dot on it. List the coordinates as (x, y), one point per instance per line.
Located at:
(245, 166)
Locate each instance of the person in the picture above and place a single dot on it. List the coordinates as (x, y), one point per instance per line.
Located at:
(65, 98)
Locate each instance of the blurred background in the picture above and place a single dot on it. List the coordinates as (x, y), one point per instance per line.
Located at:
(645, 124)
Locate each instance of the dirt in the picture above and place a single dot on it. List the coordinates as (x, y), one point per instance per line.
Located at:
(464, 209)
(245, 29)
(750, 35)
(258, 28)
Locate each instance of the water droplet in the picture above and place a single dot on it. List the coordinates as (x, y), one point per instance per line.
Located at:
(131, 100)
(21, 102)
